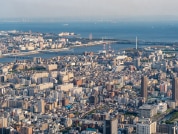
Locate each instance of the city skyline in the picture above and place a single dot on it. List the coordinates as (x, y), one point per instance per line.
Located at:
(161, 9)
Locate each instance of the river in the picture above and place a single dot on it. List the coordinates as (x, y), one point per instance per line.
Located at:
(73, 51)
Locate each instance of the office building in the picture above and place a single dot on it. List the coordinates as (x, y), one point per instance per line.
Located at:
(145, 126)
(41, 106)
(175, 90)
(144, 85)
(3, 122)
(111, 126)
(147, 111)
(137, 63)
(26, 130)
(165, 128)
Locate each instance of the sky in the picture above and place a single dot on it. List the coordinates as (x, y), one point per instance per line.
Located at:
(89, 9)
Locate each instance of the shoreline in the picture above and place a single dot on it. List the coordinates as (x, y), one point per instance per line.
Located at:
(76, 46)
(48, 50)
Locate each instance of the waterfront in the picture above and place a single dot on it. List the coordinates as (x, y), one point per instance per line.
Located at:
(147, 33)
(73, 51)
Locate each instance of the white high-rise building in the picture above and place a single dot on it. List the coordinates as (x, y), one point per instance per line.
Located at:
(145, 126)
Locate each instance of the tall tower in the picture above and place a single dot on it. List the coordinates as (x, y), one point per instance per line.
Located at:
(175, 89)
(144, 85)
(136, 43)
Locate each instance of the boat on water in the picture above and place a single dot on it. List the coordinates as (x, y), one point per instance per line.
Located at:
(65, 24)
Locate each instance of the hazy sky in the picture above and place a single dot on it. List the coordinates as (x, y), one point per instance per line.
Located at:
(87, 8)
